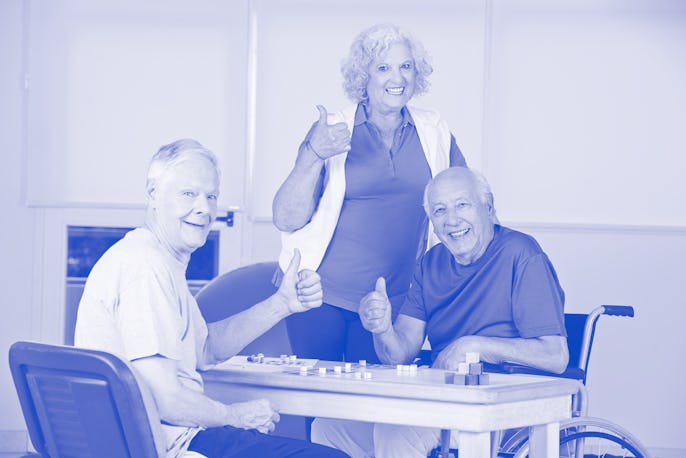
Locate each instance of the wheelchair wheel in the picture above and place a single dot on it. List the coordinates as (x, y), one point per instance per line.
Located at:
(583, 437)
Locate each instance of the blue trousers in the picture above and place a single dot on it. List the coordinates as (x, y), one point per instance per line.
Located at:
(330, 333)
(230, 442)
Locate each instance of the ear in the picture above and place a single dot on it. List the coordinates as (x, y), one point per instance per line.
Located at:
(491, 208)
(489, 204)
(151, 193)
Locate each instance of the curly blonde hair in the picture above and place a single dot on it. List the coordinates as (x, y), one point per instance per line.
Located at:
(369, 45)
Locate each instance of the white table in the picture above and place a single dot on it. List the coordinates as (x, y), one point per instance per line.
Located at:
(421, 399)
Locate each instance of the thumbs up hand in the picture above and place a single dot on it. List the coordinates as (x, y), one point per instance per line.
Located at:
(375, 309)
(328, 140)
(301, 290)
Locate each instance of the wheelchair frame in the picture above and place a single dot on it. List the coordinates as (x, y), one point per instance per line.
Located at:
(581, 436)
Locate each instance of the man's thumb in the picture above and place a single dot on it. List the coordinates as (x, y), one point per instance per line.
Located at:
(381, 286)
(323, 115)
(294, 265)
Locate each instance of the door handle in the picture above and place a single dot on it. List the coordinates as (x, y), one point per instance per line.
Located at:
(228, 219)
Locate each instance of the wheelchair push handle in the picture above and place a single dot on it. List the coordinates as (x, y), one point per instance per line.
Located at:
(618, 310)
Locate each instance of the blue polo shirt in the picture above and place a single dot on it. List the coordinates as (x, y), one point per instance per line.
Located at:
(512, 290)
(382, 225)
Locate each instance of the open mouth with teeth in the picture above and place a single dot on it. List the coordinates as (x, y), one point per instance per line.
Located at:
(395, 90)
(458, 234)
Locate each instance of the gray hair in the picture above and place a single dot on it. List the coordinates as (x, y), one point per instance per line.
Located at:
(369, 45)
(175, 153)
(478, 181)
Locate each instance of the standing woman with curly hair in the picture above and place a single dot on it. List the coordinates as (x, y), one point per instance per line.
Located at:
(352, 204)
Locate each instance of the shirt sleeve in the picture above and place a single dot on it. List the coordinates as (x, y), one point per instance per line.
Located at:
(414, 300)
(456, 157)
(538, 298)
(149, 317)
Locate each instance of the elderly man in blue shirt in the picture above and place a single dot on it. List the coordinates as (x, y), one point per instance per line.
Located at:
(485, 288)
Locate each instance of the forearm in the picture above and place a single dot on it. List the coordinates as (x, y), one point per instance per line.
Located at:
(185, 407)
(297, 198)
(229, 336)
(547, 353)
(394, 348)
(176, 403)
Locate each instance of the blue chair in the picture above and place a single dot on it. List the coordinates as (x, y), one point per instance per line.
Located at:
(237, 290)
(81, 403)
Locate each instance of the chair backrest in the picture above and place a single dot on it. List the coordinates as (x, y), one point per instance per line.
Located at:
(237, 290)
(80, 403)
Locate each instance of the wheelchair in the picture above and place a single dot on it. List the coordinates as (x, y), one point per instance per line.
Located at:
(581, 436)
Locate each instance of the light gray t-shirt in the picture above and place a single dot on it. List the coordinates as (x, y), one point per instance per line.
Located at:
(136, 304)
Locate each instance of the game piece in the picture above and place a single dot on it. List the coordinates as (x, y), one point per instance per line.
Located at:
(471, 379)
(337, 370)
(292, 359)
(348, 367)
(322, 371)
(367, 375)
(472, 357)
(258, 358)
(303, 370)
(363, 363)
(470, 372)
(413, 368)
(476, 368)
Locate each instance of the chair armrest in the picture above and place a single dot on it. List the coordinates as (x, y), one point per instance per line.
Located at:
(574, 373)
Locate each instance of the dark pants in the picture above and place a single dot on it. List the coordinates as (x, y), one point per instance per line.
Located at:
(330, 333)
(233, 442)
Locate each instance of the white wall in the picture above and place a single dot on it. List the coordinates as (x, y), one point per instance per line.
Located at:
(574, 109)
(18, 225)
(587, 103)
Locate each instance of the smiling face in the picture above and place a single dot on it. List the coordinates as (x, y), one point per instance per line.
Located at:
(462, 220)
(183, 202)
(392, 78)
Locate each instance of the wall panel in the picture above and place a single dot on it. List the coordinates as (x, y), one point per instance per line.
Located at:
(112, 81)
(587, 104)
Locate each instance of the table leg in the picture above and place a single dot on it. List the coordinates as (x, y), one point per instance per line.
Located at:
(544, 440)
(474, 445)
(445, 444)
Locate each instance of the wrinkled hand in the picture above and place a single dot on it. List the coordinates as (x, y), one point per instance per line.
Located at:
(455, 353)
(258, 414)
(300, 290)
(375, 309)
(329, 140)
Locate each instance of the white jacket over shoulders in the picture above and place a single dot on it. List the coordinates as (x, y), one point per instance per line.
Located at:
(313, 239)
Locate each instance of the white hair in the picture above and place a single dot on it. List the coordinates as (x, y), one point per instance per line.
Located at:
(175, 153)
(478, 181)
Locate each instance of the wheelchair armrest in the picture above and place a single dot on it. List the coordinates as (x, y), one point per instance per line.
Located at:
(574, 373)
